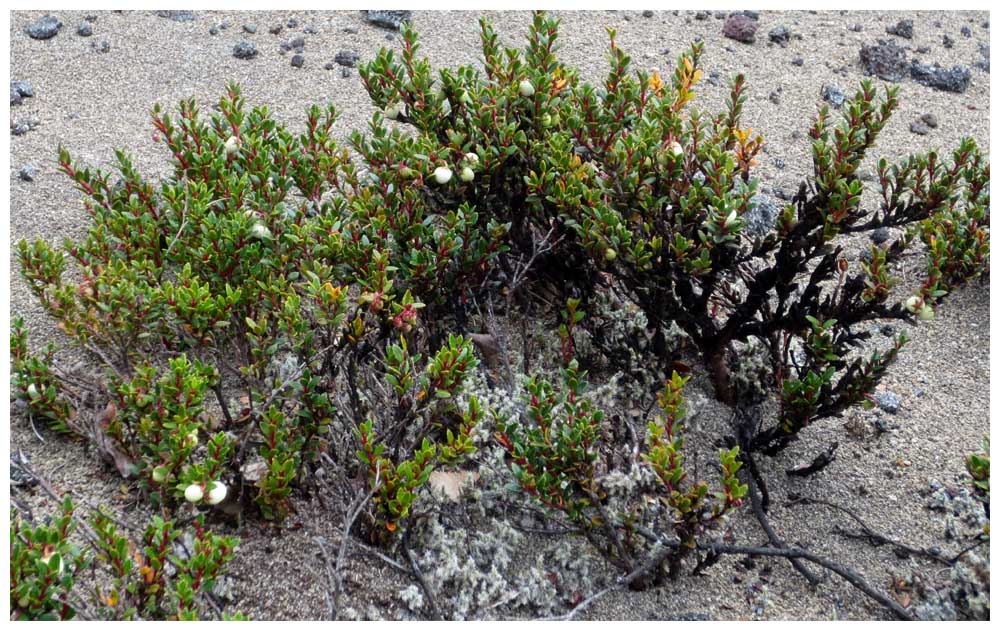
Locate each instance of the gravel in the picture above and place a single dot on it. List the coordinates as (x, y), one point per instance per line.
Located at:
(948, 357)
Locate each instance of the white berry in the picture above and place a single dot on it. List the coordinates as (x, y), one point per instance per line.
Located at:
(442, 175)
(217, 493)
(193, 493)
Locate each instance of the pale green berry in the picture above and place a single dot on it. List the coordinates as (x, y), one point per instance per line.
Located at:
(676, 149)
(546, 120)
(191, 440)
(32, 390)
(610, 254)
(392, 111)
(217, 493)
(159, 474)
(467, 175)
(926, 313)
(465, 98)
(260, 231)
(442, 175)
(914, 304)
(526, 88)
(193, 493)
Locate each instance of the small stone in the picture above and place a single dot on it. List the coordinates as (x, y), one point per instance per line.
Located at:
(18, 89)
(44, 28)
(780, 35)
(245, 50)
(28, 173)
(919, 128)
(956, 79)
(702, 15)
(833, 95)
(774, 97)
(880, 235)
(276, 29)
(298, 61)
(740, 28)
(856, 28)
(885, 60)
(388, 19)
(329, 65)
(647, 13)
(21, 126)
(903, 28)
(779, 164)
(84, 29)
(250, 28)
(923, 50)
(966, 31)
(297, 44)
(984, 62)
(888, 401)
(947, 41)
(345, 72)
(213, 30)
(90, 17)
(102, 46)
(798, 61)
(930, 120)
(352, 30)
(759, 218)
(292, 23)
(310, 30)
(347, 58)
(177, 16)
(887, 330)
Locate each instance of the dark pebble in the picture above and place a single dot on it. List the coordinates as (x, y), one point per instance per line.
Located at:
(90, 17)
(329, 65)
(352, 30)
(250, 28)
(780, 35)
(245, 50)
(888, 401)
(298, 60)
(947, 41)
(44, 28)
(919, 128)
(903, 28)
(798, 61)
(84, 29)
(833, 95)
(213, 31)
(930, 120)
(103, 46)
(774, 97)
(885, 60)
(292, 23)
(923, 50)
(276, 29)
(310, 30)
(345, 73)
(28, 173)
(702, 15)
(388, 19)
(347, 58)
(880, 235)
(955, 79)
(177, 16)
(857, 28)
(966, 31)
(740, 28)
(647, 13)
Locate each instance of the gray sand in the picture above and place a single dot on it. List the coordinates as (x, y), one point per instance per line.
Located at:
(94, 102)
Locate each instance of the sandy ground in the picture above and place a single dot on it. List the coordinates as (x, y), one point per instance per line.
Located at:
(94, 102)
